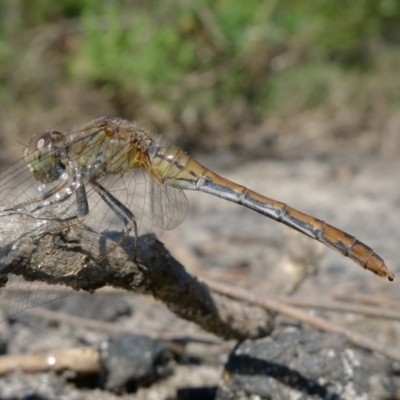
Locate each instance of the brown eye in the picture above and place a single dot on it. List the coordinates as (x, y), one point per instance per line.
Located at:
(44, 141)
(43, 156)
(39, 142)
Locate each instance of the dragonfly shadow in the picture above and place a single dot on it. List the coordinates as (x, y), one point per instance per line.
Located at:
(131, 246)
(262, 371)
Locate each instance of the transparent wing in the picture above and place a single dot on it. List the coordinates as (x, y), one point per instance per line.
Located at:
(153, 206)
(18, 185)
(169, 206)
(19, 295)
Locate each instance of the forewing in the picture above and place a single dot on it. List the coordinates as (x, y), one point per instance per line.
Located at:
(17, 185)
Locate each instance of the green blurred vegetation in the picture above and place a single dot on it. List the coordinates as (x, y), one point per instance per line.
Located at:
(242, 61)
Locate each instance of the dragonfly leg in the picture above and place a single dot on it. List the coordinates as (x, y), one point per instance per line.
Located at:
(123, 213)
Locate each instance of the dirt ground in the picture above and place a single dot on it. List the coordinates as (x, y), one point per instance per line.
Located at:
(228, 243)
(335, 326)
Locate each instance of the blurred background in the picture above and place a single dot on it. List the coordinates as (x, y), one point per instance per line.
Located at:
(297, 99)
(281, 79)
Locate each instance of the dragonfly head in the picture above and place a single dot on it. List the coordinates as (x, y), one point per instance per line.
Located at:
(45, 156)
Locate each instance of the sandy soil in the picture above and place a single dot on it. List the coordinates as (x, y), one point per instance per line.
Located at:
(227, 241)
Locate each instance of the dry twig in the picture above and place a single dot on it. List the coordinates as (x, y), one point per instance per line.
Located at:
(63, 258)
(81, 360)
(376, 312)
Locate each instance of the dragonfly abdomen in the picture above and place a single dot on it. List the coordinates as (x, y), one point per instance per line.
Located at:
(174, 167)
(317, 229)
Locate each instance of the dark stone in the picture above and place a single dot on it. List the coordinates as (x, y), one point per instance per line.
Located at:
(294, 364)
(132, 361)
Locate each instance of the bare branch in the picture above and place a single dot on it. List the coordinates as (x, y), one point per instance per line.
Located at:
(63, 258)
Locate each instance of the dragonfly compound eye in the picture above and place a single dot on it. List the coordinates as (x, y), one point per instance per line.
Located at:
(43, 156)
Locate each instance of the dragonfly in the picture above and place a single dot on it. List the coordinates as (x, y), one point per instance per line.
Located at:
(112, 173)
